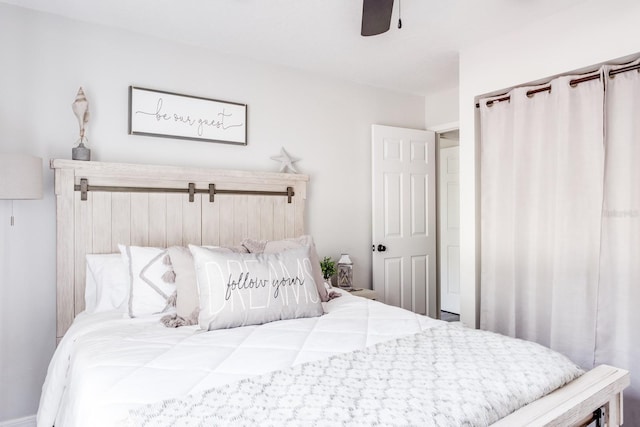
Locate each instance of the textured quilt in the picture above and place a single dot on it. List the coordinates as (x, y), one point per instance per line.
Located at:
(444, 376)
(108, 364)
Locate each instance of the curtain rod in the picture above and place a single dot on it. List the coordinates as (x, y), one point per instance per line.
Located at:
(572, 83)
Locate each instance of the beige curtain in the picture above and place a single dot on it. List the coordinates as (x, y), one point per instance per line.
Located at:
(560, 221)
(542, 163)
(618, 317)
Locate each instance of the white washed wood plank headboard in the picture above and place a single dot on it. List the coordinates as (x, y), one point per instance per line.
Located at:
(108, 218)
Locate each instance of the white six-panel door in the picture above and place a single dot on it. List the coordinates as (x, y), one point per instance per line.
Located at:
(404, 218)
(449, 207)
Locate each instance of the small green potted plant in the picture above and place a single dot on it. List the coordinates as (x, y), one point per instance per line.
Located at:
(328, 267)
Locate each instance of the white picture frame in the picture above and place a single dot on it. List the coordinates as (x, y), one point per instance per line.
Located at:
(172, 115)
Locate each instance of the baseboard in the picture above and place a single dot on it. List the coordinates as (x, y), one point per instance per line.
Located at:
(20, 422)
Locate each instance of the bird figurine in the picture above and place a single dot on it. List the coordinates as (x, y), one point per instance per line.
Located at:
(80, 108)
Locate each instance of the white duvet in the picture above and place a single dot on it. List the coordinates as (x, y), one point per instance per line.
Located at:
(107, 365)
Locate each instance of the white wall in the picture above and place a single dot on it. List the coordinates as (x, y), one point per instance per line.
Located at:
(594, 32)
(441, 107)
(45, 59)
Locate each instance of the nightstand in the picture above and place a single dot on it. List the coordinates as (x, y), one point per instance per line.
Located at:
(365, 293)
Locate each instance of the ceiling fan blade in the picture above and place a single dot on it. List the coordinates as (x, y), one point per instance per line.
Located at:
(376, 16)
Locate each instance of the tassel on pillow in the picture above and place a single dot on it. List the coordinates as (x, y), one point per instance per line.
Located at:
(175, 321)
(171, 301)
(170, 275)
(166, 260)
(334, 295)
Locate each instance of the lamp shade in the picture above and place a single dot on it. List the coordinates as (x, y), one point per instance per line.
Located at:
(20, 177)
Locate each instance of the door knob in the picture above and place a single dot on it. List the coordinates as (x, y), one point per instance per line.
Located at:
(382, 248)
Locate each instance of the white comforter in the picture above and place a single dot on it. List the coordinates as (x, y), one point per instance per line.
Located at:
(107, 365)
(442, 377)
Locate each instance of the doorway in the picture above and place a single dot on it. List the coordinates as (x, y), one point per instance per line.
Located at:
(448, 202)
(404, 215)
(416, 219)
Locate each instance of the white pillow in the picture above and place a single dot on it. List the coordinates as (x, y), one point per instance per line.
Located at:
(149, 293)
(107, 283)
(251, 289)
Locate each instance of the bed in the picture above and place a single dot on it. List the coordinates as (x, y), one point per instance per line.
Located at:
(110, 369)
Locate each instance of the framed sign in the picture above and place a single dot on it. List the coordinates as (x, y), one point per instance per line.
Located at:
(171, 115)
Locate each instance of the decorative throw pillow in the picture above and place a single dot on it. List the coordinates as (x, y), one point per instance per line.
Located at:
(151, 287)
(107, 283)
(251, 289)
(186, 287)
(187, 302)
(275, 246)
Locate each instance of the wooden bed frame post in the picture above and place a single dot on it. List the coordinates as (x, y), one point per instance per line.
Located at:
(614, 410)
(64, 180)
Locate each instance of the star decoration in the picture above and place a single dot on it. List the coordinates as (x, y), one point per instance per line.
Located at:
(286, 161)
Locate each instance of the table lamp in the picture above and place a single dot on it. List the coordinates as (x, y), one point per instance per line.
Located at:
(20, 178)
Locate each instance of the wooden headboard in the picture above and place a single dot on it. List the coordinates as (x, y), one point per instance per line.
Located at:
(100, 205)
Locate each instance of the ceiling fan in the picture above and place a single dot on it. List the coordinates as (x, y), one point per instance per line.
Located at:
(376, 16)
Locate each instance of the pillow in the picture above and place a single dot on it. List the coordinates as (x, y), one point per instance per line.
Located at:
(187, 303)
(187, 300)
(150, 290)
(275, 246)
(107, 283)
(251, 289)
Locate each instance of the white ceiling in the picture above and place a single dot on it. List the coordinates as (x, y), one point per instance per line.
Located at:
(322, 36)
